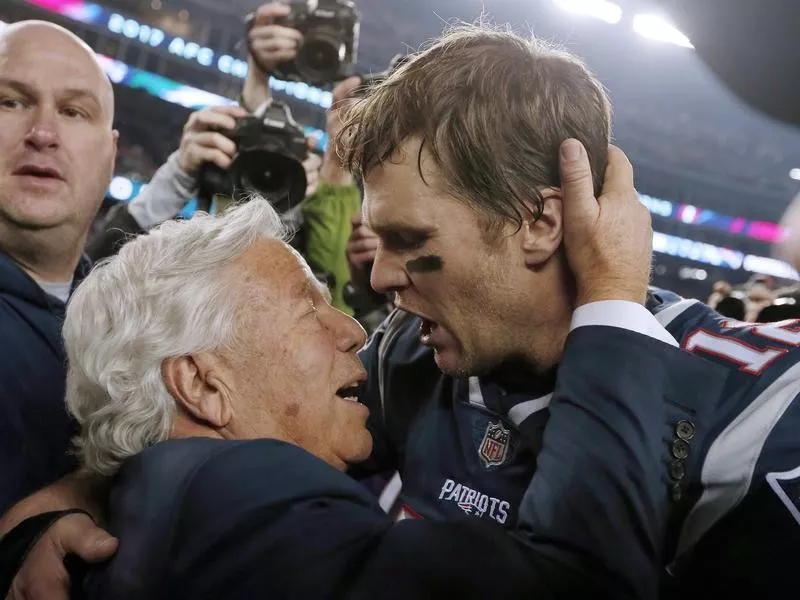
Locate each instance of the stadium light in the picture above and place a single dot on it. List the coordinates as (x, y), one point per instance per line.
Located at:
(599, 9)
(655, 27)
(795, 174)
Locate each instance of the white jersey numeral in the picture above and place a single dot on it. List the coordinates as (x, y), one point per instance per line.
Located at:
(784, 332)
(749, 358)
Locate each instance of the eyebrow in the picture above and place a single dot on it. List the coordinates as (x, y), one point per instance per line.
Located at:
(324, 291)
(68, 93)
(308, 285)
(399, 227)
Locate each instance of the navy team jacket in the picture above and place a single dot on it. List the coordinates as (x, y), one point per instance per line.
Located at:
(203, 518)
(35, 429)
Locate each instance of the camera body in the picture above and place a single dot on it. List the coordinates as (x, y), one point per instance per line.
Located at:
(330, 31)
(271, 148)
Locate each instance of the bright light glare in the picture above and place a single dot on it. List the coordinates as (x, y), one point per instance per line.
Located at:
(657, 28)
(599, 9)
(795, 174)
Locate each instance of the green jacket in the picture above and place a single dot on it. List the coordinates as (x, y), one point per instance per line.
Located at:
(327, 225)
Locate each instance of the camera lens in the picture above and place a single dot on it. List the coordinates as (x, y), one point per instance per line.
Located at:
(268, 180)
(321, 55)
(280, 178)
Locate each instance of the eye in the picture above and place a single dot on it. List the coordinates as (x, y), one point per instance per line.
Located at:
(404, 242)
(10, 103)
(73, 112)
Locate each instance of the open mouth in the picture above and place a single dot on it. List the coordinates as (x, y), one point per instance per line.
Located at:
(426, 330)
(350, 393)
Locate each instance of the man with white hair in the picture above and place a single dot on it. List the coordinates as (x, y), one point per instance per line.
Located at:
(211, 376)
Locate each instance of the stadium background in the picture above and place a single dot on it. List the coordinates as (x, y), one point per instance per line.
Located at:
(715, 175)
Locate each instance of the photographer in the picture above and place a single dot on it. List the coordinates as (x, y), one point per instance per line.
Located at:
(312, 42)
(327, 213)
(322, 220)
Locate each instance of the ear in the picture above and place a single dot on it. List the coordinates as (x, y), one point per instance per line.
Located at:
(541, 238)
(195, 384)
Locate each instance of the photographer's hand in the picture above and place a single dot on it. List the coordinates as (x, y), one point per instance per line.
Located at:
(270, 44)
(332, 171)
(202, 141)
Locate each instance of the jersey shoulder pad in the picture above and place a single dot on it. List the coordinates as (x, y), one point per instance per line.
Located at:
(752, 348)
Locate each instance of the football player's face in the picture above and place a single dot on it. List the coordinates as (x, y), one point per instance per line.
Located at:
(432, 253)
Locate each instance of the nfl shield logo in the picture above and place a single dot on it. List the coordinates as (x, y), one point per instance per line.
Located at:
(494, 447)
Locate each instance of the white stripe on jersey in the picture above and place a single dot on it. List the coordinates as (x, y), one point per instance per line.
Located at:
(391, 492)
(731, 460)
(475, 393)
(523, 410)
(673, 311)
(772, 480)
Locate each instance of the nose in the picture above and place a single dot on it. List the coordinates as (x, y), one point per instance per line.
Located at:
(42, 134)
(350, 335)
(388, 273)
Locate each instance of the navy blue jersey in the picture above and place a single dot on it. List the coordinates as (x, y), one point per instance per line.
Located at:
(459, 459)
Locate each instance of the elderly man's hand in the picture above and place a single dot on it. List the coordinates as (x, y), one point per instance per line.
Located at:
(608, 240)
(202, 141)
(271, 44)
(43, 575)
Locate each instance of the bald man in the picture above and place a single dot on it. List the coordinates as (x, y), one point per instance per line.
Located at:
(57, 150)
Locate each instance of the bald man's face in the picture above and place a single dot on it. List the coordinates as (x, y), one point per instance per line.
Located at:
(57, 146)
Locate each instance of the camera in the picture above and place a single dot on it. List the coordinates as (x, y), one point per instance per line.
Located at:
(373, 79)
(270, 148)
(330, 41)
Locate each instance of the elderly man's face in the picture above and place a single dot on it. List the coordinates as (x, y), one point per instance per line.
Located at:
(294, 360)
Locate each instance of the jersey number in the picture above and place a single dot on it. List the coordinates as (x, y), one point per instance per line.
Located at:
(749, 358)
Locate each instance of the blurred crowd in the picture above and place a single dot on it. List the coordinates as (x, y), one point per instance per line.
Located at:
(757, 301)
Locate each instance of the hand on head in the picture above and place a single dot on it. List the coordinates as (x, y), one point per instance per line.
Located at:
(608, 239)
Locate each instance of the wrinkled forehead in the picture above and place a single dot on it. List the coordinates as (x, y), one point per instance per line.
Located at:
(278, 273)
(406, 191)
